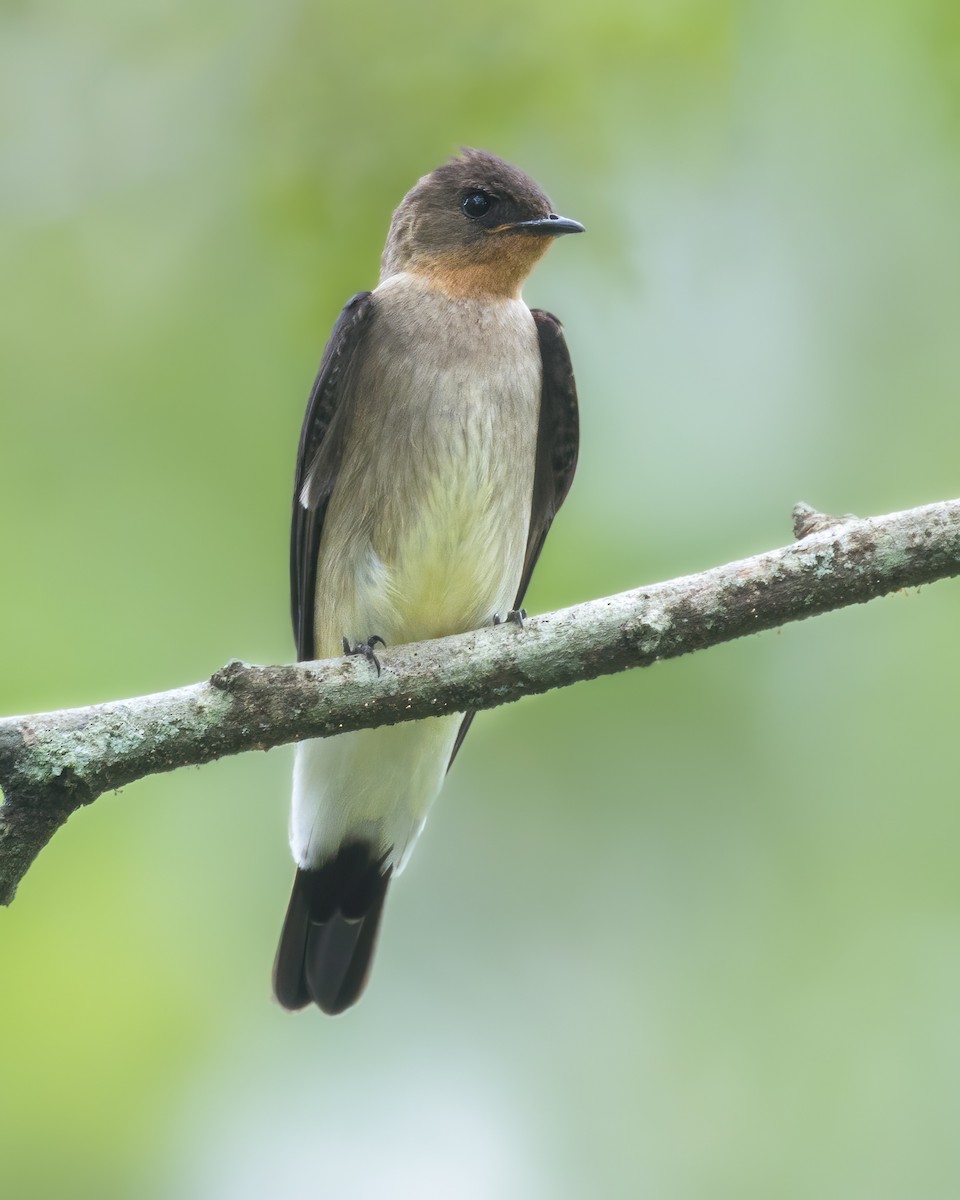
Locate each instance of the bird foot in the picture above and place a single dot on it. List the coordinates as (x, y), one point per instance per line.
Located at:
(516, 616)
(366, 649)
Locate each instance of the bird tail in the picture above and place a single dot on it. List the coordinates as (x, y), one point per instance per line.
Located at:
(330, 931)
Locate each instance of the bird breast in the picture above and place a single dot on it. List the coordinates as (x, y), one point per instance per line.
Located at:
(426, 530)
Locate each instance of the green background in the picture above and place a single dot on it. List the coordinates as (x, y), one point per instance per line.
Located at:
(692, 932)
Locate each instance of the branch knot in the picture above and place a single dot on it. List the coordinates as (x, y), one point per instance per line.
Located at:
(230, 676)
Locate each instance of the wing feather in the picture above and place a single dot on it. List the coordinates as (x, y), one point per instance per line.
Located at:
(318, 460)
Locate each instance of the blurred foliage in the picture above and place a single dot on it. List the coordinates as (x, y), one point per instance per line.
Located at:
(691, 932)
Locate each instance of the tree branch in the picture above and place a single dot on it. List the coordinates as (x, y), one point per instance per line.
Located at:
(53, 763)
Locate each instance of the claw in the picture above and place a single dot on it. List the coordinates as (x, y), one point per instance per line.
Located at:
(366, 649)
(516, 616)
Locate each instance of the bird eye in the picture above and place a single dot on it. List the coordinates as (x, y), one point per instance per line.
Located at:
(475, 204)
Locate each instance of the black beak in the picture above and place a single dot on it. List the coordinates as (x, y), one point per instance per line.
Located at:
(551, 225)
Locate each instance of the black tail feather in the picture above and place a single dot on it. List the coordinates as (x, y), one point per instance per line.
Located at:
(330, 932)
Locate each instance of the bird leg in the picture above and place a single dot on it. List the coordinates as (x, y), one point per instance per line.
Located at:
(366, 649)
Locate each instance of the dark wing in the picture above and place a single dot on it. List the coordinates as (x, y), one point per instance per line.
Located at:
(558, 440)
(558, 443)
(319, 455)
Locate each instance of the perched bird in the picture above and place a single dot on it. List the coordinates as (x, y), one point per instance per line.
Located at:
(439, 441)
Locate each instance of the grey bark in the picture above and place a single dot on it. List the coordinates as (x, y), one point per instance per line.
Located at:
(54, 763)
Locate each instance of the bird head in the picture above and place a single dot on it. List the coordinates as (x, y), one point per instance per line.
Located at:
(475, 226)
